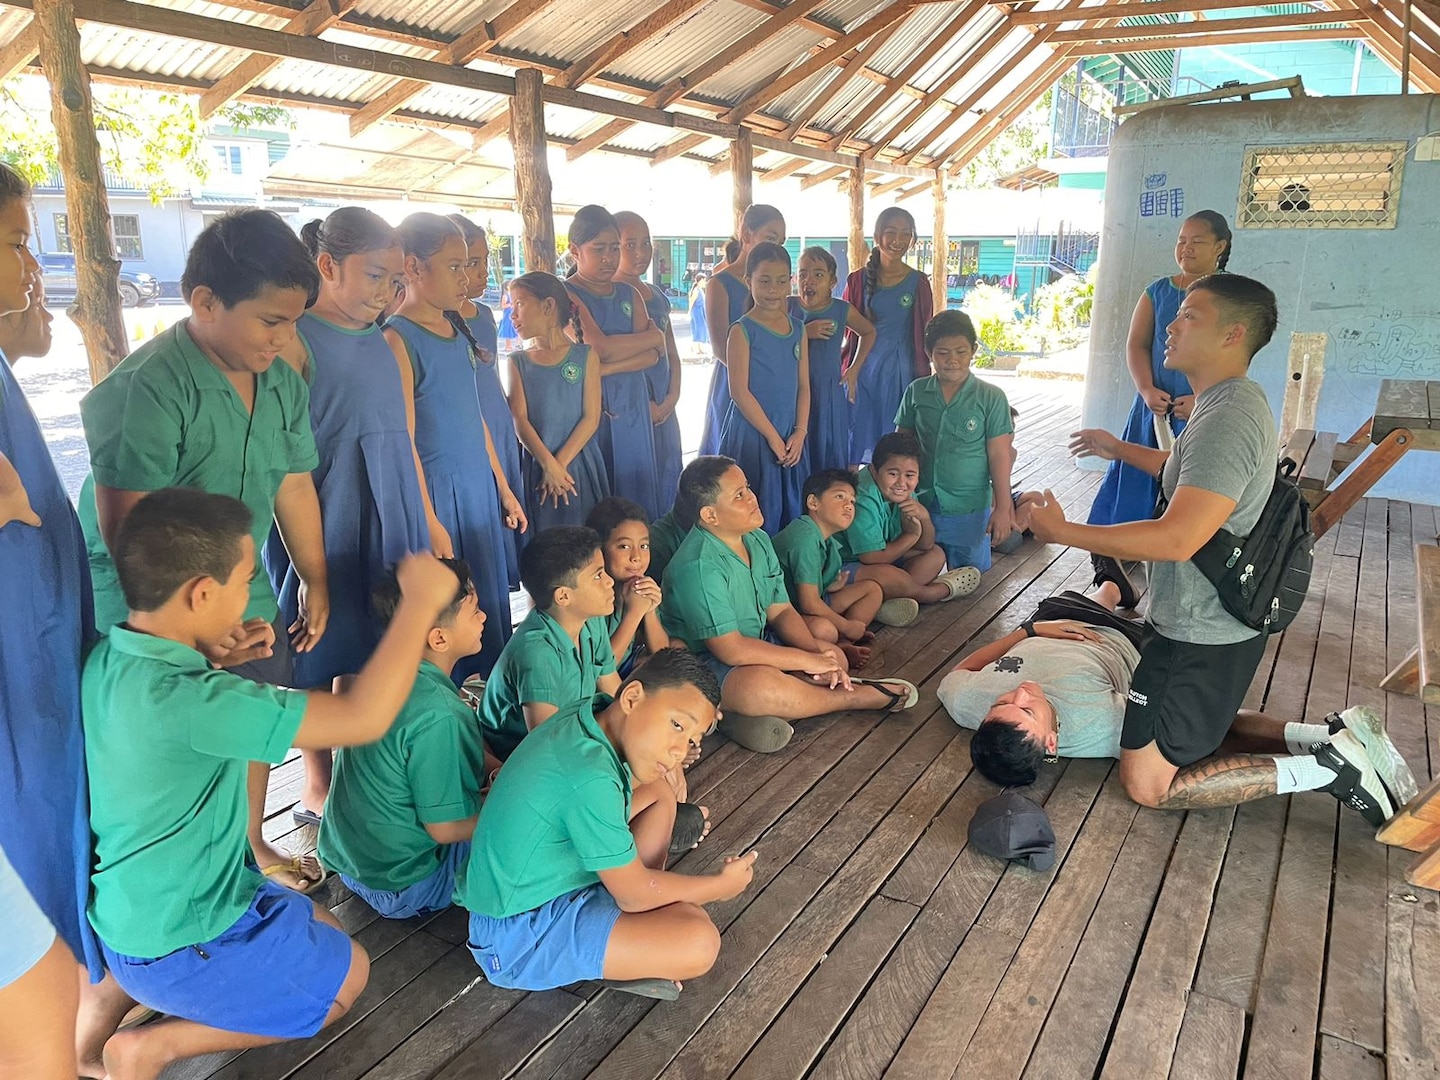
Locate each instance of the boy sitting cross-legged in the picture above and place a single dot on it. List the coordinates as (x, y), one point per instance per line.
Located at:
(892, 539)
(725, 597)
(188, 926)
(402, 809)
(566, 879)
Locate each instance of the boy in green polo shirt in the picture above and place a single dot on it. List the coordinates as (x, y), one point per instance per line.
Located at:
(892, 539)
(204, 405)
(836, 609)
(967, 445)
(725, 597)
(186, 923)
(402, 810)
(561, 653)
(565, 881)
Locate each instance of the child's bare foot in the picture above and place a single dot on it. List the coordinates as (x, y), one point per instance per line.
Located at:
(298, 872)
(858, 655)
(102, 1009)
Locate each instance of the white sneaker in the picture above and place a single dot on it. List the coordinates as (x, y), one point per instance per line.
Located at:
(1356, 783)
(962, 581)
(1369, 728)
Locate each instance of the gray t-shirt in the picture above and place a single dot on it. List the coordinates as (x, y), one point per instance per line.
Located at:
(1228, 447)
(1085, 681)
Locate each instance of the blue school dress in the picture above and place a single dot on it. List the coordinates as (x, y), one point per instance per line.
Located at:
(496, 411)
(774, 380)
(371, 510)
(46, 621)
(740, 299)
(668, 460)
(627, 441)
(699, 330)
(1127, 493)
(889, 368)
(507, 325)
(828, 443)
(555, 397)
(450, 439)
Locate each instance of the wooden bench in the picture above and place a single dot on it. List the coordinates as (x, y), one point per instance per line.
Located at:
(1417, 825)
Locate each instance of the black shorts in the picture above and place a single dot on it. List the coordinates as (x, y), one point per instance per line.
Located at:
(1184, 697)
(1073, 605)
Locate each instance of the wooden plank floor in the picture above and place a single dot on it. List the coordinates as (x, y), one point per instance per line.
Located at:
(1276, 940)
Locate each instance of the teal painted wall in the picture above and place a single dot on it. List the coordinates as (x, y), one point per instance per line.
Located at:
(1327, 67)
(1087, 181)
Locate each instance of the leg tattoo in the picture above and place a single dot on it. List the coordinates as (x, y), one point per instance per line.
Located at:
(1222, 781)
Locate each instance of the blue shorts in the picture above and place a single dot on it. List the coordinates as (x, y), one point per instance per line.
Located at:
(963, 538)
(275, 972)
(277, 669)
(28, 933)
(434, 892)
(721, 670)
(557, 944)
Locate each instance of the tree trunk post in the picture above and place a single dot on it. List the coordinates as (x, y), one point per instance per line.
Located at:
(96, 310)
(859, 252)
(532, 171)
(742, 174)
(939, 272)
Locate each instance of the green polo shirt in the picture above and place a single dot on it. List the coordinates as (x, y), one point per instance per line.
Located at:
(558, 814)
(541, 665)
(666, 536)
(807, 556)
(877, 520)
(955, 469)
(167, 417)
(709, 591)
(426, 770)
(168, 742)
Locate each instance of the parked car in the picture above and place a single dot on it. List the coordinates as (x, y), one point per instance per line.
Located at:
(136, 287)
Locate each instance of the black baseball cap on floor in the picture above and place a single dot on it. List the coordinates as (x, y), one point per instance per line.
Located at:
(1010, 826)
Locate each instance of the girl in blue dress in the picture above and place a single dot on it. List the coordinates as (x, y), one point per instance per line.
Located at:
(555, 399)
(1162, 396)
(897, 299)
(831, 393)
(636, 251)
(699, 330)
(727, 297)
(462, 487)
(371, 510)
(767, 420)
(614, 322)
(477, 322)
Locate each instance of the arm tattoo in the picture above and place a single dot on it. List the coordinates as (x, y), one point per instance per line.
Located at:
(1222, 781)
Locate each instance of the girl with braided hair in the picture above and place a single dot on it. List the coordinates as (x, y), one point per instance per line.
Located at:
(896, 298)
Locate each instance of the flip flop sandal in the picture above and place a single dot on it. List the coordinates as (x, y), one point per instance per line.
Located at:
(906, 700)
(689, 828)
(296, 866)
(659, 989)
(301, 816)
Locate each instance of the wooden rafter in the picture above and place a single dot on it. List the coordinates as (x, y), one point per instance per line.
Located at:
(768, 91)
(807, 182)
(784, 169)
(1207, 28)
(682, 145)
(1034, 17)
(1239, 37)
(998, 118)
(17, 53)
(824, 29)
(475, 42)
(315, 18)
(1389, 23)
(855, 66)
(605, 55)
(876, 190)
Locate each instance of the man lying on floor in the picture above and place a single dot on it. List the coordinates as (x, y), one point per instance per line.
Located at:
(1055, 687)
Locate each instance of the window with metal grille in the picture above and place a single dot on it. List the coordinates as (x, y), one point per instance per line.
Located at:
(1333, 186)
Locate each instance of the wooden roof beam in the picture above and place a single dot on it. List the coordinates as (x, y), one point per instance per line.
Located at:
(784, 169)
(682, 145)
(605, 55)
(1110, 8)
(1240, 37)
(855, 65)
(1210, 27)
(313, 19)
(768, 91)
(1389, 21)
(999, 118)
(876, 190)
(475, 42)
(825, 30)
(20, 51)
(807, 182)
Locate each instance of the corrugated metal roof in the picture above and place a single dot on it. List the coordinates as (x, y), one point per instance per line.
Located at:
(684, 45)
(560, 34)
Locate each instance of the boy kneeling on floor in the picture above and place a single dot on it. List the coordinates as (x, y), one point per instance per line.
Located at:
(188, 926)
(402, 810)
(566, 881)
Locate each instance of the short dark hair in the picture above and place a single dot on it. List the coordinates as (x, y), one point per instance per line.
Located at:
(675, 667)
(176, 535)
(699, 486)
(896, 444)
(1245, 301)
(385, 600)
(1005, 755)
(610, 511)
(764, 252)
(350, 230)
(554, 559)
(823, 257)
(13, 184)
(239, 255)
(949, 323)
(822, 480)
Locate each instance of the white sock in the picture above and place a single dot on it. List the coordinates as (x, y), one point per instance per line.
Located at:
(1301, 772)
(1299, 738)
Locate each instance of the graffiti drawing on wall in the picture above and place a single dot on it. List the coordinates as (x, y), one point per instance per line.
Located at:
(1391, 345)
(1160, 199)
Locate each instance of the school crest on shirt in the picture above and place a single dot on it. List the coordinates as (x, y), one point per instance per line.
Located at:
(907, 300)
(627, 307)
(570, 371)
(971, 424)
(480, 355)
(797, 350)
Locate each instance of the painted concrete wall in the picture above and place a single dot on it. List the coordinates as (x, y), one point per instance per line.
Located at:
(166, 230)
(1328, 67)
(1372, 291)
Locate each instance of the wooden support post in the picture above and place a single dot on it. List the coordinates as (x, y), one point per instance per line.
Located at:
(1302, 387)
(532, 171)
(97, 272)
(742, 173)
(940, 244)
(859, 252)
